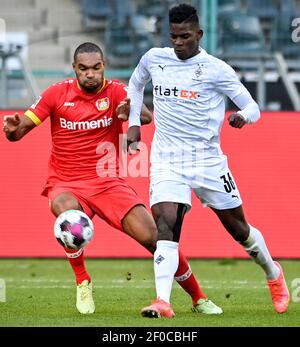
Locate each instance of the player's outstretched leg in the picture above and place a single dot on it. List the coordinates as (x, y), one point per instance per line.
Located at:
(279, 292)
(256, 247)
(84, 291)
(84, 295)
(254, 244)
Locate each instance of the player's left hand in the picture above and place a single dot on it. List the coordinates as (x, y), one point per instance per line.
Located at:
(236, 120)
(123, 109)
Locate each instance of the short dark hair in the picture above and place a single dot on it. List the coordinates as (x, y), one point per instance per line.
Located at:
(183, 13)
(87, 47)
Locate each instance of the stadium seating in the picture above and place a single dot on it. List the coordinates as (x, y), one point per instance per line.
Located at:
(263, 9)
(119, 46)
(122, 9)
(95, 13)
(57, 27)
(150, 8)
(242, 34)
(228, 6)
(127, 41)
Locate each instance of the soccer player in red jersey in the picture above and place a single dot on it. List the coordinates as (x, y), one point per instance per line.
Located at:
(86, 112)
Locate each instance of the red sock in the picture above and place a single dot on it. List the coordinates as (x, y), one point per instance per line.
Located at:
(186, 279)
(76, 260)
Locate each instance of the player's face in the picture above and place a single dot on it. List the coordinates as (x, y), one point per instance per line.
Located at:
(89, 70)
(185, 38)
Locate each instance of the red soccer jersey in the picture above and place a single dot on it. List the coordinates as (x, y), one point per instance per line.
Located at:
(85, 129)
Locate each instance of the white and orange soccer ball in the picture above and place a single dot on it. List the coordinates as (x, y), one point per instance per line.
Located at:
(73, 229)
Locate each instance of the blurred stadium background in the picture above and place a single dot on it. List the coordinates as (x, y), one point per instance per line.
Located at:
(259, 38)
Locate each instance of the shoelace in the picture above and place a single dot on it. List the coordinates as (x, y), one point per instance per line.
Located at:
(85, 292)
(210, 304)
(276, 290)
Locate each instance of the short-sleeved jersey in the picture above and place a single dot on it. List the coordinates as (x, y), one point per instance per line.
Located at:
(188, 98)
(84, 126)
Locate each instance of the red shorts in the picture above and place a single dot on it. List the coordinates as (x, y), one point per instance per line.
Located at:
(109, 198)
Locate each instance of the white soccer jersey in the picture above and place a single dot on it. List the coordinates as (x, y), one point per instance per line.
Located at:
(188, 98)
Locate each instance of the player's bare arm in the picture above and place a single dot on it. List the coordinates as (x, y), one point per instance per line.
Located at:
(15, 127)
(123, 110)
(146, 115)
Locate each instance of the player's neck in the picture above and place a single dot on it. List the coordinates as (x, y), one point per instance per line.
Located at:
(195, 53)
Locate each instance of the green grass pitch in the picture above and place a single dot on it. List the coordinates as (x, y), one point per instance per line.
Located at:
(42, 292)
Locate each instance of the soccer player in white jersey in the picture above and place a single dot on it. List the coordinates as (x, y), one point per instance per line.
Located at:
(188, 89)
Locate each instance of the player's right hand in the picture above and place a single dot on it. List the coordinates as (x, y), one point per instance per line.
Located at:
(123, 109)
(133, 138)
(236, 120)
(11, 123)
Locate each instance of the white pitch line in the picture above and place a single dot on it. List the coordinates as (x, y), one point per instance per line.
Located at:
(122, 286)
(44, 283)
(240, 282)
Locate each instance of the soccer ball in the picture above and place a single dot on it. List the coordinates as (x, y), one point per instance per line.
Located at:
(73, 229)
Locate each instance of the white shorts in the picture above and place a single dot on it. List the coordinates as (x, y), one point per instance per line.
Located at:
(213, 185)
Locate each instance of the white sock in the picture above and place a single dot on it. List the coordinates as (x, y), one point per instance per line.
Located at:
(165, 266)
(256, 247)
